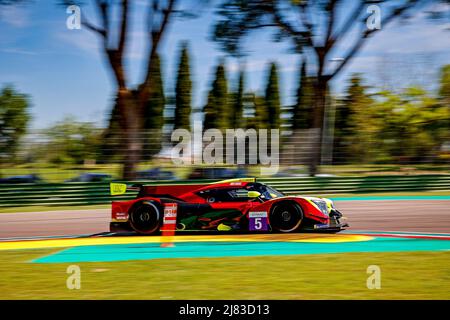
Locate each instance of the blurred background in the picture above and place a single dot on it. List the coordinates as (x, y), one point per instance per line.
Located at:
(352, 96)
(92, 90)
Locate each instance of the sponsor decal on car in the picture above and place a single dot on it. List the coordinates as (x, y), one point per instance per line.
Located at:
(121, 217)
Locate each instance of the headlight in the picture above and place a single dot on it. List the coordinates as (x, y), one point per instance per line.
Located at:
(322, 205)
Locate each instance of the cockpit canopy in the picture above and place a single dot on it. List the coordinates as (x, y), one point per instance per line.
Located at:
(248, 192)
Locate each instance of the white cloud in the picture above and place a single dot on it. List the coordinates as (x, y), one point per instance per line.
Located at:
(79, 39)
(18, 51)
(15, 16)
(413, 38)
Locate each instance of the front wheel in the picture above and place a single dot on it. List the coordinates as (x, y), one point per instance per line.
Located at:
(286, 217)
(145, 218)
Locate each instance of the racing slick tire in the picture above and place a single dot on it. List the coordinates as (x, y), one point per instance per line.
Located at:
(146, 217)
(286, 217)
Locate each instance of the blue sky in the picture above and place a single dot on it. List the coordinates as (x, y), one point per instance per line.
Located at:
(64, 73)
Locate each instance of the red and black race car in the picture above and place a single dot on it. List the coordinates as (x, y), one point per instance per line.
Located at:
(243, 205)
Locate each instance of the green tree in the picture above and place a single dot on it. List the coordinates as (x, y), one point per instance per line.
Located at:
(131, 99)
(71, 142)
(113, 143)
(355, 100)
(254, 117)
(216, 110)
(272, 98)
(14, 118)
(237, 119)
(410, 126)
(257, 112)
(183, 91)
(444, 87)
(396, 128)
(321, 36)
(302, 111)
(113, 147)
(444, 99)
(154, 112)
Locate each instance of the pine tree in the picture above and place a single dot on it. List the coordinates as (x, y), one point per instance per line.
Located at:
(272, 99)
(210, 112)
(238, 104)
(444, 98)
(261, 118)
(14, 117)
(216, 110)
(248, 111)
(344, 127)
(153, 112)
(444, 87)
(183, 91)
(302, 113)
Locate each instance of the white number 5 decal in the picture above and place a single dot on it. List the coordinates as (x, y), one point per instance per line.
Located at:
(258, 224)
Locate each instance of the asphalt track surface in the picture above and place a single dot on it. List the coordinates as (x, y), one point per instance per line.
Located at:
(380, 215)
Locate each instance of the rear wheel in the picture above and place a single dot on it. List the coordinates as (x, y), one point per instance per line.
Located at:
(145, 218)
(286, 217)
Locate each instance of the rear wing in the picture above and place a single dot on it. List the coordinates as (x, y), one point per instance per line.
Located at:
(117, 189)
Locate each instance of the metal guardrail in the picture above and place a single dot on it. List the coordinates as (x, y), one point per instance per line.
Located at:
(76, 193)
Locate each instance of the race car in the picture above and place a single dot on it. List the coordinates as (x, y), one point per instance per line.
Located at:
(241, 205)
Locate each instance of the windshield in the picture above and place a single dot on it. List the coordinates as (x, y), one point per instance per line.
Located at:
(267, 192)
(271, 193)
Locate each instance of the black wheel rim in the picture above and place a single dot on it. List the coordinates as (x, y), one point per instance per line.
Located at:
(145, 218)
(286, 218)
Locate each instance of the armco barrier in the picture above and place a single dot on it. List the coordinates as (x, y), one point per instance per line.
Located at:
(98, 193)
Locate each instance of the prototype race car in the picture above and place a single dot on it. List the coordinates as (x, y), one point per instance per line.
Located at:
(231, 205)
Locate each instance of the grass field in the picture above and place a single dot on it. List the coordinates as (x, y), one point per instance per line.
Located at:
(406, 275)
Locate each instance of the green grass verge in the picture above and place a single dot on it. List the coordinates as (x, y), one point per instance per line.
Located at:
(411, 275)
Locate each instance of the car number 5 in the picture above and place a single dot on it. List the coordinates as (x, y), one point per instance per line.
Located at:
(258, 224)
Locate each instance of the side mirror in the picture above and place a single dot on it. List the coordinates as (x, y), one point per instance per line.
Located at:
(253, 194)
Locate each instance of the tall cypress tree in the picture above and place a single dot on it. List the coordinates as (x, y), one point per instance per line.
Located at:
(210, 112)
(216, 110)
(302, 113)
(272, 98)
(444, 86)
(238, 104)
(153, 112)
(444, 97)
(261, 118)
(354, 95)
(183, 91)
(344, 128)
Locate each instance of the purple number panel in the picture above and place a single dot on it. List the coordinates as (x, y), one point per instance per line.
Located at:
(257, 221)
